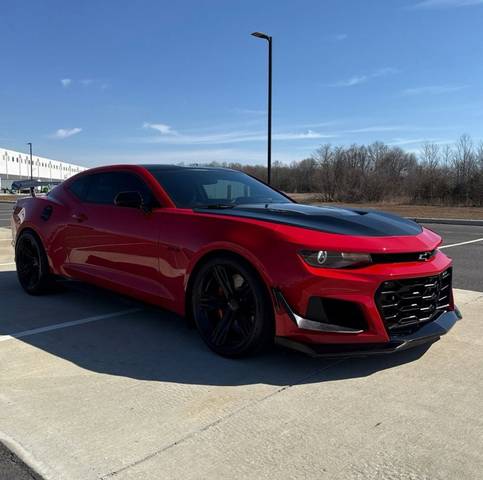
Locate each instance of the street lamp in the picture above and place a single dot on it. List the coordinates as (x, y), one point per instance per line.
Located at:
(268, 38)
(31, 162)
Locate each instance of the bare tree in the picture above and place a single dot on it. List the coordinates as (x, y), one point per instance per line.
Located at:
(451, 175)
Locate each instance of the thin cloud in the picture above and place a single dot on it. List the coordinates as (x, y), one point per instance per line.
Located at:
(408, 141)
(330, 123)
(309, 134)
(358, 79)
(417, 141)
(161, 128)
(220, 138)
(195, 155)
(85, 82)
(431, 4)
(62, 133)
(433, 90)
(376, 129)
(339, 37)
(350, 82)
(249, 111)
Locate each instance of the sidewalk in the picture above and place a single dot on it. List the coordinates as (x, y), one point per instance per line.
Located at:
(139, 397)
(6, 249)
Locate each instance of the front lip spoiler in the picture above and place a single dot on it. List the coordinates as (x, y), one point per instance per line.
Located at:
(427, 334)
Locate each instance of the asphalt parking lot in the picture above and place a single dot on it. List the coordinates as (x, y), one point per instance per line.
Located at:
(97, 386)
(467, 257)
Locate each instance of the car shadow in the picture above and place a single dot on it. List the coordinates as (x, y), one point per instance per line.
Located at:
(154, 345)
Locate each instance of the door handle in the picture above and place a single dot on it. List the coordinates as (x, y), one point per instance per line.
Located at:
(80, 217)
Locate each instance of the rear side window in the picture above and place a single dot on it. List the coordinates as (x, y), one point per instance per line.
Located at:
(79, 187)
(103, 188)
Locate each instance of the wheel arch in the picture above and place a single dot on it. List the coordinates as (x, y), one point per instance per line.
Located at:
(35, 233)
(253, 264)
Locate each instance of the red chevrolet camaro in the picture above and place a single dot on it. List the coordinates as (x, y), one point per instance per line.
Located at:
(241, 260)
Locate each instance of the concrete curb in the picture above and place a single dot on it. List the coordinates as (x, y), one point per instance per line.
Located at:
(38, 468)
(449, 221)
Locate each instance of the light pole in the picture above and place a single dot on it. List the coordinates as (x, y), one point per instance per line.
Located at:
(268, 38)
(31, 162)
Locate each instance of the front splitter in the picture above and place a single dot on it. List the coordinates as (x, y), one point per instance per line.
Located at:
(427, 334)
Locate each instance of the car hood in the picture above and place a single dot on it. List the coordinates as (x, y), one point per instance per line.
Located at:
(342, 221)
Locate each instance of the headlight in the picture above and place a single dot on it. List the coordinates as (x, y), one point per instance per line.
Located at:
(327, 259)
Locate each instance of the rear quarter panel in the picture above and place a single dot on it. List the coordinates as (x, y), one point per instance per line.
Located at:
(28, 215)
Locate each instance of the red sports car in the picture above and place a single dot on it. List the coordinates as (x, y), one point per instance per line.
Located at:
(240, 259)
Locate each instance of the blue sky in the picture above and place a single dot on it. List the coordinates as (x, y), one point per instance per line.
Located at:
(99, 82)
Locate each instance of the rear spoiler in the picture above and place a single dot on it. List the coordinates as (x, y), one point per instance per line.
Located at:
(31, 184)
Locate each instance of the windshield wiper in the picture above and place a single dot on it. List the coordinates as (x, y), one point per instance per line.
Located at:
(215, 206)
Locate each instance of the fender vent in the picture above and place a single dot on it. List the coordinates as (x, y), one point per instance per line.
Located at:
(407, 304)
(46, 213)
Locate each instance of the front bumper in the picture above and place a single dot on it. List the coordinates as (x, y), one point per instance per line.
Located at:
(427, 334)
(340, 288)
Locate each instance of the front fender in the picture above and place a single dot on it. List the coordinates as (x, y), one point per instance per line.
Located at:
(223, 246)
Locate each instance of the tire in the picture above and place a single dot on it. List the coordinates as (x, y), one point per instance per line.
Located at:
(32, 264)
(231, 307)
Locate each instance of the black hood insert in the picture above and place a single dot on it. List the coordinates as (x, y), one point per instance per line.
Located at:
(341, 221)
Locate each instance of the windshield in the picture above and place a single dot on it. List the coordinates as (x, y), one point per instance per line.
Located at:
(214, 188)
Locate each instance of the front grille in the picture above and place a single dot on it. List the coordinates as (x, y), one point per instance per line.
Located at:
(406, 304)
(402, 257)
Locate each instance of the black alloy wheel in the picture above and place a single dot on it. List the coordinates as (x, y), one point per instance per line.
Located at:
(32, 264)
(231, 307)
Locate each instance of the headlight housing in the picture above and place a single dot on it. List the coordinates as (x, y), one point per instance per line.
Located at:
(331, 259)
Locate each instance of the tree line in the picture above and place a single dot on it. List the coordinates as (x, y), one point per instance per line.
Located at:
(438, 175)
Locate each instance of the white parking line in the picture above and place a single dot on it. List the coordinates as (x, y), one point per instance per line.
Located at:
(461, 243)
(57, 326)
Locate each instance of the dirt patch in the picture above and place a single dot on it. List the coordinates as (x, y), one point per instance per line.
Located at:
(416, 211)
(10, 198)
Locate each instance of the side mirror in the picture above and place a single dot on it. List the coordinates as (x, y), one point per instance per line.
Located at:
(129, 200)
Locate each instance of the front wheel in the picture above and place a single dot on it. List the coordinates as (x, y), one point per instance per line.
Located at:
(231, 307)
(32, 264)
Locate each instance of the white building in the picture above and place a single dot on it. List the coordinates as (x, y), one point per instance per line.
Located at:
(16, 166)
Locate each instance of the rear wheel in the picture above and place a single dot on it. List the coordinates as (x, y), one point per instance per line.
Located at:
(231, 307)
(32, 264)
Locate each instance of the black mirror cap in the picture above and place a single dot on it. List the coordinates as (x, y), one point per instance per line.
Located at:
(129, 200)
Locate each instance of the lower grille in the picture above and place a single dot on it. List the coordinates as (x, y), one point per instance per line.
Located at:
(406, 304)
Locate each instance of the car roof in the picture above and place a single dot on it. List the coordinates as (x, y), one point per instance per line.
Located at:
(152, 168)
(155, 167)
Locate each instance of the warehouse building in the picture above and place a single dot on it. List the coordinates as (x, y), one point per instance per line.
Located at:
(16, 166)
